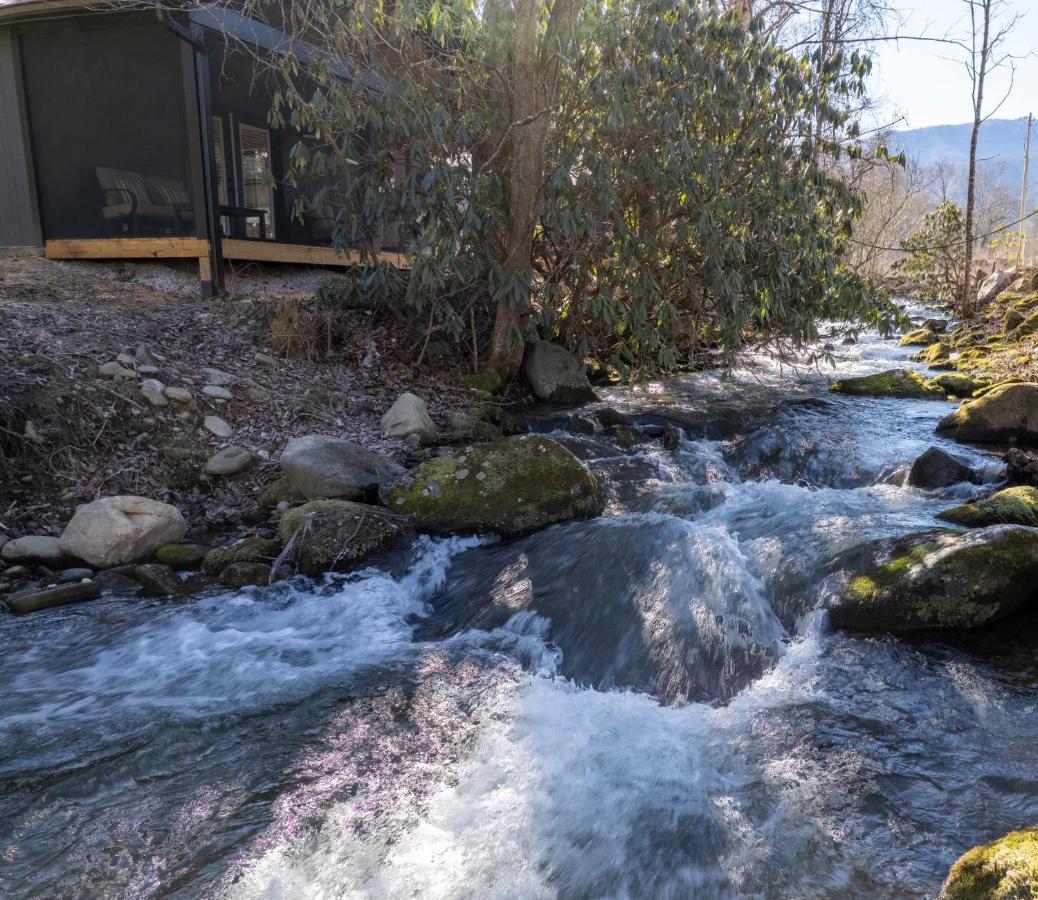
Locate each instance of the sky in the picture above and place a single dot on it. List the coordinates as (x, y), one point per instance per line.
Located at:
(927, 82)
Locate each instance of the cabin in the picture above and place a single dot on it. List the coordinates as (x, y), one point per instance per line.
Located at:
(129, 132)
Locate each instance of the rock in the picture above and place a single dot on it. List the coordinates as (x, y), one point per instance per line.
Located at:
(1007, 412)
(17, 572)
(229, 461)
(1010, 506)
(938, 326)
(217, 377)
(1006, 869)
(250, 550)
(69, 576)
(670, 438)
(217, 426)
(265, 360)
(115, 370)
(1026, 327)
(893, 383)
(125, 359)
(62, 595)
(935, 353)
(993, 285)
(178, 394)
(624, 435)
(157, 580)
(335, 535)
(216, 392)
(114, 581)
(144, 355)
(1021, 466)
(323, 466)
(937, 468)
(407, 416)
(509, 487)
(116, 530)
(472, 424)
(957, 385)
(921, 337)
(942, 580)
(153, 391)
(33, 549)
(555, 375)
(181, 556)
(280, 491)
(245, 574)
(148, 370)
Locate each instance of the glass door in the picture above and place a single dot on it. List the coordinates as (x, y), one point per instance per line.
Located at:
(257, 179)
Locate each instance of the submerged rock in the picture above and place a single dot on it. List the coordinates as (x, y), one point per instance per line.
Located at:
(937, 468)
(116, 530)
(921, 337)
(1010, 506)
(62, 595)
(335, 535)
(556, 375)
(1006, 869)
(942, 580)
(508, 487)
(1007, 412)
(407, 416)
(892, 383)
(323, 466)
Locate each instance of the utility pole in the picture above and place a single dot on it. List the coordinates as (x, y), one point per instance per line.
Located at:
(1023, 188)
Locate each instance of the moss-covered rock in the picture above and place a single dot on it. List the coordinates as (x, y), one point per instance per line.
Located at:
(336, 535)
(624, 435)
(1026, 327)
(245, 574)
(1006, 869)
(509, 487)
(1010, 506)
(935, 353)
(277, 492)
(181, 556)
(893, 383)
(942, 580)
(1006, 412)
(250, 550)
(921, 337)
(956, 384)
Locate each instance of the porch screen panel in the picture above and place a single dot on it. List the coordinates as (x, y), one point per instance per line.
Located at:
(109, 128)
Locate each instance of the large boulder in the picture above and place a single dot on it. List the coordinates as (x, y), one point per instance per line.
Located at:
(1010, 506)
(336, 535)
(1007, 412)
(902, 383)
(1006, 869)
(994, 284)
(113, 531)
(556, 375)
(408, 416)
(921, 337)
(509, 487)
(936, 469)
(319, 465)
(247, 550)
(941, 580)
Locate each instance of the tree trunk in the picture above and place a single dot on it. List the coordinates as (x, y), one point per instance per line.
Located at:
(979, 74)
(534, 72)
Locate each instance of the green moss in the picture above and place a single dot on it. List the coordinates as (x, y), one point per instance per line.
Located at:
(865, 587)
(893, 383)
(508, 487)
(335, 535)
(1011, 506)
(244, 574)
(291, 519)
(933, 354)
(623, 435)
(252, 550)
(1027, 327)
(921, 337)
(1006, 869)
(957, 384)
(181, 556)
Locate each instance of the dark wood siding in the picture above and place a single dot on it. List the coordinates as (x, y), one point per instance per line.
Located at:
(19, 221)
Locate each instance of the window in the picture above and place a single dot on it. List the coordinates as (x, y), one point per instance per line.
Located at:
(257, 177)
(220, 165)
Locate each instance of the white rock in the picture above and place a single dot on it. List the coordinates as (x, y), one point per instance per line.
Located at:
(217, 377)
(117, 530)
(229, 461)
(126, 360)
(408, 416)
(153, 389)
(216, 425)
(115, 370)
(32, 548)
(217, 392)
(178, 394)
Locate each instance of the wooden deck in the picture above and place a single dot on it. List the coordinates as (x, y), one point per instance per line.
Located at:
(198, 248)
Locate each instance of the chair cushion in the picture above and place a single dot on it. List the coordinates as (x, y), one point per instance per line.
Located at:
(167, 191)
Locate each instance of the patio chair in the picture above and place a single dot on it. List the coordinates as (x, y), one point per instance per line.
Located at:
(131, 200)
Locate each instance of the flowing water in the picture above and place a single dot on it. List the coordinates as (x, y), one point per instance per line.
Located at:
(649, 704)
